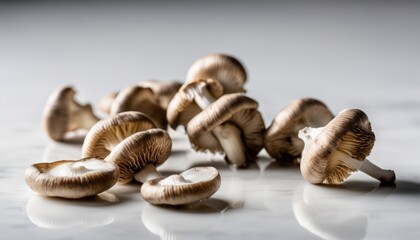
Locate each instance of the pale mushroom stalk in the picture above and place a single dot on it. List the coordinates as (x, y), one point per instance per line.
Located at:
(149, 172)
(228, 135)
(308, 134)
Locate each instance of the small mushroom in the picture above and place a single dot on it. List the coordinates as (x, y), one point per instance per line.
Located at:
(109, 132)
(190, 99)
(72, 178)
(141, 99)
(66, 120)
(333, 152)
(281, 138)
(105, 102)
(164, 90)
(223, 68)
(138, 155)
(231, 125)
(187, 187)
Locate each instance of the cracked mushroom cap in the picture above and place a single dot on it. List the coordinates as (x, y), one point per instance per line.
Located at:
(141, 99)
(66, 120)
(72, 178)
(135, 152)
(164, 90)
(109, 132)
(348, 134)
(187, 187)
(223, 68)
(183, 108)
(281, 138)
(236, 109)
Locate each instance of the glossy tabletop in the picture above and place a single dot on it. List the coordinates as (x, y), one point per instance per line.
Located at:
(349, 55)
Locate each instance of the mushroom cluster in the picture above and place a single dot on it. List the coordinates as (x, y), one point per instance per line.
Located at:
(217, 116)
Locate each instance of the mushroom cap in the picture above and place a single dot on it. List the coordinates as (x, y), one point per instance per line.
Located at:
(223, 68)
(63, 116)
(281, 138)
(141, 99)
(349, 133)
(236, 109)
(164, 90)
(105, 102)
(109, 132)
(183, 107)
(72, 178)
(152, 146)
(189, 186)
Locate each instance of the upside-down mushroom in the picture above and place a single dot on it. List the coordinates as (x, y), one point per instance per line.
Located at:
(109, 132)
(66, 120)
(333, 152)
(281, 138)
(72, 178)
(221, 67)
(231, 125)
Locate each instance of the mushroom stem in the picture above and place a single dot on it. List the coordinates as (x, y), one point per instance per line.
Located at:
(148, 173)
(229, 138)
(202, 96)
(366, 166)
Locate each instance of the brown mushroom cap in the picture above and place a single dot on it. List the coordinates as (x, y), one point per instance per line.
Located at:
(349, 133)
(141, 99)
(72, 178)
(190, 186)
(63, 118)
(164, 90)
(109, 132)
(135, 152)
(281, 138)
(236, 109)
(223, 68)
(183, 107)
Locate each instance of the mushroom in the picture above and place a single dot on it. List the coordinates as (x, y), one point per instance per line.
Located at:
(138, 155)
(71, 178)
(333, 152)
(187, 187)
(164, 90)
(190, 99)
(64, 119)
(281, 137)
(223, 68)
(105, 102)
(231, 125)
(109, 132)
(141, 99)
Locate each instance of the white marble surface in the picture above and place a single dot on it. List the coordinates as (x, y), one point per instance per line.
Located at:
(350, 55)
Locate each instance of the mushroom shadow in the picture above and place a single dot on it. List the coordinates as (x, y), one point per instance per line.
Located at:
(403, 187)
(206, 206)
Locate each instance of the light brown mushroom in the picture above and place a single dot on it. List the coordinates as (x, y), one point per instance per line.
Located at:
(221, 67)
(72, 178)
(187, 187)
(333, 152)
(164, 90)
(105, 102)
(109, 132)
(190, 99)
(141, 99)
(231, 125)
(138, 155)
(281, 138)
(66, 120)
